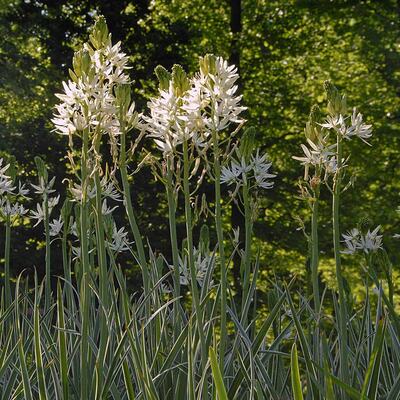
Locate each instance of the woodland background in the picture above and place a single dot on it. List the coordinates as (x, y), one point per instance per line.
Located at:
(284, 50)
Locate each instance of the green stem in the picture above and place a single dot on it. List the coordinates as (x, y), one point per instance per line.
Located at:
(84, 356)
(174, 240)
(48, 260)
(221, 248)
(192, 267)
(339, 277)
(315, 252)
(314, 275)
(247, 248)
(7, 250)
(102, 260)
(67, 267)
(131, 215)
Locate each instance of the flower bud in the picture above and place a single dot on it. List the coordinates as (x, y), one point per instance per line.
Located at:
(99, 36)
(163, 77)
(123, 97)
(207, 64)
(247, 143)
(312, 129)
(41, 167)
(204, 237)
(81, 63)
(180, 80)
(336, 102)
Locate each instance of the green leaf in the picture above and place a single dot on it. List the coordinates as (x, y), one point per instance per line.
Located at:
(370, 385)
(216, 373)
(295, 374)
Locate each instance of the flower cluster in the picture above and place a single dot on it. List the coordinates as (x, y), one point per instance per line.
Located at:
(119, 242)
(191, 109)
(89, 100)
(9, 193)
(203, 261)
(321, 152)
(356, 127)
(354, 241)
(256, 170)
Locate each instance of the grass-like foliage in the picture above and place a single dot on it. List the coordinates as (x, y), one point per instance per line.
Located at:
(186, 333)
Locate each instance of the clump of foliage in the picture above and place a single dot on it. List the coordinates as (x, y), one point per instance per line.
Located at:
(186, 335)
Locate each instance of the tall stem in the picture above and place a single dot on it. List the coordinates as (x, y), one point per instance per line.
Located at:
(85, 385)
(131, 215)
(174, 240)
(221, 248)
(314, 274)
(315, 252)
(192, 267)
(247, 248)
(103, 278)
(7, 276)
(339, 277)
(48, 255)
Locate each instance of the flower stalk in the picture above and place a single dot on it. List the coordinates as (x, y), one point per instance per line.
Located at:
(342, 323)
(7, 249)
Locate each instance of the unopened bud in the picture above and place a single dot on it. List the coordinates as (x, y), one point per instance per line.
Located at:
(163, 77)
(312, 129)
(123, 97)
(99, 36)
(337, 103)
(41, 167)
(207, 64)
(247, 143)
(180, 80)
(81, 63)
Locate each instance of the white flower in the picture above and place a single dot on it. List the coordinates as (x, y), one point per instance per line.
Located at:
(317, 154)
(257, 169)
(355, 240)
(89, 101)
(231, 175)
(6, 185)
(56, 226)
(261, 166)
(371, 241)
(105, 210)
(221, 86)
(202, 263)
(11, 210)
(37, 215)
(166, 121)
(120, 241)
(52, 202)
(22, 191)
(109, 190)
(44, 188)
(208, 104)
(336, 123)
(358, 128)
